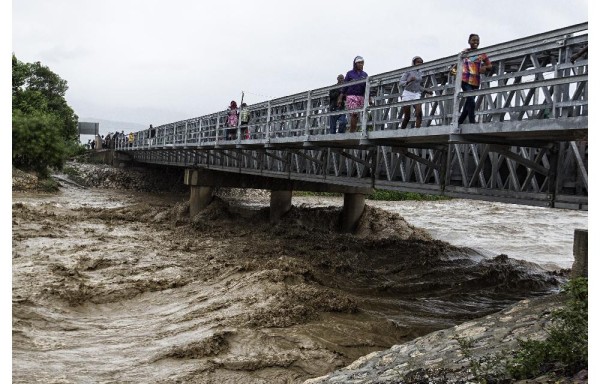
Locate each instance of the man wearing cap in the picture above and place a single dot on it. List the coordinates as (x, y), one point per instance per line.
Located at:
(355, 94)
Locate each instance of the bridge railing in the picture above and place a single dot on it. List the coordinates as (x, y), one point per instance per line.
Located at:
(532, 78)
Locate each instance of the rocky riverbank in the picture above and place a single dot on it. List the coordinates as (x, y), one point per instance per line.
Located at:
(472, 352)
(137, 289)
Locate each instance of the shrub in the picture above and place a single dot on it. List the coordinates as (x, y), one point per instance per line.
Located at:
(565, 350)
(48, 185)
(381, 194)
(385, 195)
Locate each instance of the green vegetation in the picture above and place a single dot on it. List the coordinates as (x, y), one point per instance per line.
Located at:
(486, 369)
(48, 185)
(44, 127)
(72, 172)
(307, 193)
(381, 194)
(564, 352)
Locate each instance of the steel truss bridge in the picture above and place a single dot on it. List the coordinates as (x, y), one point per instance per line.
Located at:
(529, 145)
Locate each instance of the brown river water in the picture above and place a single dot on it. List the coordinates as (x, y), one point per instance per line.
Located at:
(122, 287)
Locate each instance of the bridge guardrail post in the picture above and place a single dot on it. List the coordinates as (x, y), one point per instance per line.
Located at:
(556, 93)
(307, 117)
(217, 129)
(238, 128)
(185, 134)
(365, 107)
(199, 135)
(456, 97)
(268, 124)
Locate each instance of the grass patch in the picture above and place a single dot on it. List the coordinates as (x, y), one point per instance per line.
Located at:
(307, 193)
(48, 185)
(385, 195)
(70, 171)
(380, 194)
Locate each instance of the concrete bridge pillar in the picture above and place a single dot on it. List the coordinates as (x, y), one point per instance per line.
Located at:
(281, 203)
(580, 252)
(354, 205)
(200, 198)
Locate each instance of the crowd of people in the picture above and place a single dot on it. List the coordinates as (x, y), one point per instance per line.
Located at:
(110, 141)
(350, 99)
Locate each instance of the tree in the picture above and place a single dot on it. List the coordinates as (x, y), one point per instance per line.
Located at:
(36, 141)
(41, 79)
(44, 125)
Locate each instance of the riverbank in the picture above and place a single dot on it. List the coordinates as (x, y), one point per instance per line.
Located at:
(472, 352)
(119, 286)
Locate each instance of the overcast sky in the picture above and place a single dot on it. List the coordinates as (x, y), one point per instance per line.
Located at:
(148, 61)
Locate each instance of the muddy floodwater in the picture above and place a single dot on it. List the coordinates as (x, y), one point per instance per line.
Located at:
(115, 286)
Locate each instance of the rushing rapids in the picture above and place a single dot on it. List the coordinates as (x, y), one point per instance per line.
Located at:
(122, 286)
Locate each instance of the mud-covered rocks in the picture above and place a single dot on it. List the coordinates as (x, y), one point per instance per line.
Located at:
(23, 181)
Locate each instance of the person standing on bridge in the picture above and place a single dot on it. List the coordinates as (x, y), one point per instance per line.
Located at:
(413, 89)
(334, 94)
(355, 94)
(232, 120)
(473, 67)
(151, 135)
(244, 120)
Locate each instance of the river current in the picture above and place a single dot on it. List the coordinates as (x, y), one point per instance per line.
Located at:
(536, 234)
(116, 286)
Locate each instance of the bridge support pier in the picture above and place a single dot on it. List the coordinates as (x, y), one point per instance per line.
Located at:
(203, 181)
(354, 205)
(200, 197)
(580, 253)
(281, 203)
